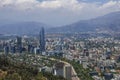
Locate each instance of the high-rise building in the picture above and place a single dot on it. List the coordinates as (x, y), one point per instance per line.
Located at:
(19, 44)
(68, 72)
(32, 49)
(6, 49)
(64, 70)
(19, 41)
(42, 40)
(12, 49)
(29, 48)
(36, 50)
(59, 69)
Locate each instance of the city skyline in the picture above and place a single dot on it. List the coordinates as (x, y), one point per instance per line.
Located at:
(59, 39)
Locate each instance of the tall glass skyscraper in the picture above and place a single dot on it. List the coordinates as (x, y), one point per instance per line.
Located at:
(42, 39)
(19, 44)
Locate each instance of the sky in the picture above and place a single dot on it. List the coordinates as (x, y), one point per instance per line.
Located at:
(55, 12)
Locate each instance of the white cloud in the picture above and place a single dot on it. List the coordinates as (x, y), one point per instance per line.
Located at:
(69, 10)
(50, 4)
(18, 4)
(56, 4)
(110, 6)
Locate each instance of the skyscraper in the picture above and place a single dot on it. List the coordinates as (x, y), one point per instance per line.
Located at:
(12, 49)
(19, 44)
(42, 39)
(19, 41)
(6, 49)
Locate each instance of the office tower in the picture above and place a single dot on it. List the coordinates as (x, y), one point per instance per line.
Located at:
(19, 41)
(29, 48)
(6, 49)
(68, 72)
(59, 69)
(13, 50)
(19, 44)
(64, 70)
(42, 40)
(32, 49)
(37, 50)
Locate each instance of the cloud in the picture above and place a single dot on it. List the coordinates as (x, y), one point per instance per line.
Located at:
(73, 5)
(60, 11)
(54, 4)
(112, 5)
(18, 4)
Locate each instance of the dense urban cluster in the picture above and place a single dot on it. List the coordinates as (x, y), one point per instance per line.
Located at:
(73, 57)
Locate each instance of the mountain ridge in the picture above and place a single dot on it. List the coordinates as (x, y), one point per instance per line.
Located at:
(22, 28)
(106, 23)
(109, 22)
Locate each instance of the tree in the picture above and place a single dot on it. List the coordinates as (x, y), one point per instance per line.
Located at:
(14, 76)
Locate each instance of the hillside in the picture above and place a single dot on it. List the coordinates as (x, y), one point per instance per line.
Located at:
(109, 22)
(10, 70)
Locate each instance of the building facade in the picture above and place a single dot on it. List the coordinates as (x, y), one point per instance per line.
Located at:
(42, 40)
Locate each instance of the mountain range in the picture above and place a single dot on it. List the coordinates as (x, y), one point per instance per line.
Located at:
(21, 28)
(109, 22)
(106, 23)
